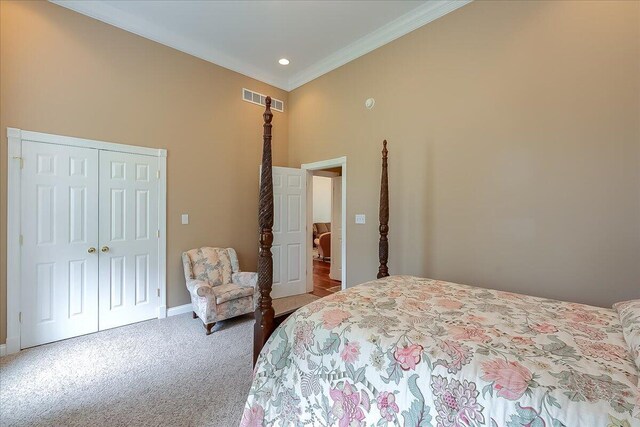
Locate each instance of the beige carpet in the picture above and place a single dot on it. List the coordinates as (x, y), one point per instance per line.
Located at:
(156, 373)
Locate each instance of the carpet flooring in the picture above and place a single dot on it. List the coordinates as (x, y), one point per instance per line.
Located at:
(156, 373)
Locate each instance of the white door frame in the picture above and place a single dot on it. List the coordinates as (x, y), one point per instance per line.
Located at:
(14, 189)
(325, 164)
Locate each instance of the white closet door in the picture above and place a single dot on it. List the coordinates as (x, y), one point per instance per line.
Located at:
(289, 232)
(128, 238)
(59, 295)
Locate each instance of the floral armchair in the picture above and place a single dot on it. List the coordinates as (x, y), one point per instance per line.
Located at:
(219, 290)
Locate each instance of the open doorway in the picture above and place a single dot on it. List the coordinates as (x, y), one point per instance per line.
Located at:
(326, 215)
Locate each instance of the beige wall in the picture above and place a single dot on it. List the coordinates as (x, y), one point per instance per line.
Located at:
(67, 74)
(514, 132)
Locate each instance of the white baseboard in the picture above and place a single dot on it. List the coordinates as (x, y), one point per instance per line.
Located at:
(3, 350)
(181, 309)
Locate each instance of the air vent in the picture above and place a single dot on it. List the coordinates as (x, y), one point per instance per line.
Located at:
(259, 99)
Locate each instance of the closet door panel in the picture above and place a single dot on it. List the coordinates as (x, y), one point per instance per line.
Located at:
(128, 238)
(59, 294)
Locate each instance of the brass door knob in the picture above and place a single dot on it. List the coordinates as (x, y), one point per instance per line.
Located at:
(105, 249)
(91, 250)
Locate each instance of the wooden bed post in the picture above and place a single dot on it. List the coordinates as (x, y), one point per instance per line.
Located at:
(383, 246)
(264, 314)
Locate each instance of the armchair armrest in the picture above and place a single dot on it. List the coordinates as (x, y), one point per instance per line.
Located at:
(200, 288)
(249, 280)
(324, 243)
(245, 279)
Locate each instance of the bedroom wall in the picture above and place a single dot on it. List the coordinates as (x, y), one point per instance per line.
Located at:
(321, 199)
(514, 138)
(64, 73)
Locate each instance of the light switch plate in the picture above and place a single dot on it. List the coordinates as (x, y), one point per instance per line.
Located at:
(361, 219)
(185, 219)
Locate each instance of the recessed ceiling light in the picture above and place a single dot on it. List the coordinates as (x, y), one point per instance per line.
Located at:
(283, 61)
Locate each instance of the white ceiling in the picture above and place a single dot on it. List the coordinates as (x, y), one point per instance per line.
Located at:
(250, 36)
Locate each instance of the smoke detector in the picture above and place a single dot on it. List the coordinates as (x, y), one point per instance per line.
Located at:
(369, 103)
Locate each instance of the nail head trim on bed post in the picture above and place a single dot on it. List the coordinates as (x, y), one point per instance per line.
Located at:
(264, 314)
(383, 246)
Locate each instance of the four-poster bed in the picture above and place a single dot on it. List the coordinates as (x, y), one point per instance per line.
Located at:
(403, 350)
(266, 319)
(264, 314)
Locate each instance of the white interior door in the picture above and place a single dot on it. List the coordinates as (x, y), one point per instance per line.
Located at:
(59, 295)
(335, 271)
(129, 241)
(289, 232)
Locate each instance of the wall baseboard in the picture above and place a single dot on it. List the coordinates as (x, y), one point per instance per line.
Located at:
(3, 350)
(181, 309)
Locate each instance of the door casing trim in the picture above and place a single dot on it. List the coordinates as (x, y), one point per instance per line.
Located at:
(310, 167)
(14, 190)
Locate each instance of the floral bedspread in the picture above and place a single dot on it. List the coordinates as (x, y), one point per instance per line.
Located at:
(418, 352)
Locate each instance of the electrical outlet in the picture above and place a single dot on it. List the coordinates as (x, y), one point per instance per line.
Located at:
(185, 219)
(361, 219)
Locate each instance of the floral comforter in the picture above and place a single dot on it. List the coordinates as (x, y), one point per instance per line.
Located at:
(417, 352)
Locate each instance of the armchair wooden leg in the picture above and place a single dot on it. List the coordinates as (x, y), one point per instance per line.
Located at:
(193, 313)
(209, 327)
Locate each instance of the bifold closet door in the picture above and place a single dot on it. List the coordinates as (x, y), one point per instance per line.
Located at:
(129, 241)
(59, 260)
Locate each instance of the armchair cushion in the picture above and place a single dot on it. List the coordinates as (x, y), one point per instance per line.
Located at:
(230, 292)
(212, 265)
(245, 278)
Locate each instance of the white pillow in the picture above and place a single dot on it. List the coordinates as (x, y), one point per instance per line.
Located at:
(629, 312)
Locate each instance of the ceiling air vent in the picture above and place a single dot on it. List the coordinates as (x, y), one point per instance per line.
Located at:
(258, 98)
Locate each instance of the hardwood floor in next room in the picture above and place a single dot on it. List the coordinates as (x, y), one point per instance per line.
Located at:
(323, 285)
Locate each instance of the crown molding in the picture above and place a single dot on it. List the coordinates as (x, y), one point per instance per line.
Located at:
(121, 19)
(397, 28)
(406, 23)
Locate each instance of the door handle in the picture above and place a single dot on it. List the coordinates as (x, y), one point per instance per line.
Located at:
(91, 250)
(105, 249)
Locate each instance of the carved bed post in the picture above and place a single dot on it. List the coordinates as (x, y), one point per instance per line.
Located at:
(264, 314)
(383, 246)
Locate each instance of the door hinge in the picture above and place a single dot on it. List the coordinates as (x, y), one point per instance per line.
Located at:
(21, 239)
(158, 174)
(20, 317)
(21, 161)
(158, 234)
(158, 292)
